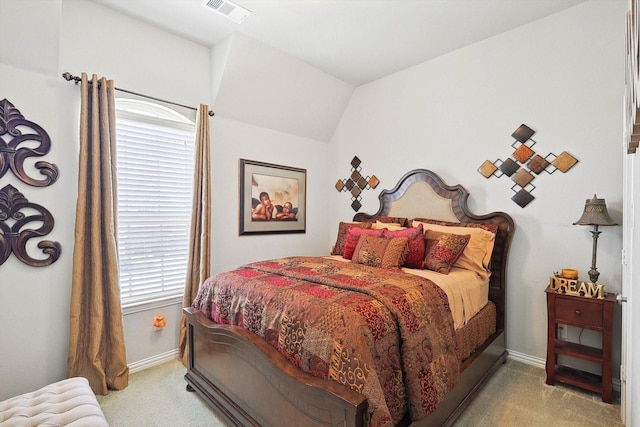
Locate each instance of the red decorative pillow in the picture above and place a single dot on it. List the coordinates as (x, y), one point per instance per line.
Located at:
(442, 252)
(380, 251)
(353, 235)
(415, 256)
(343, 227)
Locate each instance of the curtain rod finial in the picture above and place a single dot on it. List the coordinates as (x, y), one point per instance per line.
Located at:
(68, 77)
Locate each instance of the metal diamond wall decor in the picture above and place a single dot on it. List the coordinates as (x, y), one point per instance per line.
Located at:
(356, 184)
(525, 164)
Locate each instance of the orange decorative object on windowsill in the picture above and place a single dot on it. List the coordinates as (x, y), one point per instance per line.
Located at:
(159, 322)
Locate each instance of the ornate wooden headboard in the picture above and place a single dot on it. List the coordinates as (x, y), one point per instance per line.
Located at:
(421, 193)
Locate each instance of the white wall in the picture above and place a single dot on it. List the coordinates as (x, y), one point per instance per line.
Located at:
(261, 85)
(34, 301)
(79, 36)
(562, 76)
(255, 143)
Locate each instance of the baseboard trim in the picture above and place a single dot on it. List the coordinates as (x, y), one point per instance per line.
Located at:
(540, 363)
(153, 361)
(526, 358)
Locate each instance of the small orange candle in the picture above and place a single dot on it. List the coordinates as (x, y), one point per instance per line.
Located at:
(568, 273)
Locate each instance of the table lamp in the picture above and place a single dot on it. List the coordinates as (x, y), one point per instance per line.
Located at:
(595, 213)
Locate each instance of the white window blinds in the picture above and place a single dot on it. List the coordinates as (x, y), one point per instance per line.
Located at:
(155, 171)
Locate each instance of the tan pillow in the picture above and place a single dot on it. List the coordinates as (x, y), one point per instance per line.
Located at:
(386, 225)
(394, 219)
(476, 255)
(380, 252)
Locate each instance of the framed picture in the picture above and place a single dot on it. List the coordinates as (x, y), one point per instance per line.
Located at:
(272, 198)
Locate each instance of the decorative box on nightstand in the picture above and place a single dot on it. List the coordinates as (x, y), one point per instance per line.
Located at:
(589, 313)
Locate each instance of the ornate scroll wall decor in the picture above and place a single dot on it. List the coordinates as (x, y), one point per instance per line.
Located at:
(15, 213)
(18, 137)
(16, 150)
(356, 183)
(524, 163)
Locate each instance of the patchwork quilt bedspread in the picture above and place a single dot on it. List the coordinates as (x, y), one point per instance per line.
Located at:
(382, 332)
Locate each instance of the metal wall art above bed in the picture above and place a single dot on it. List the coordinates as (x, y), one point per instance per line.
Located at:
(524, 163)
(21, 139)
(356, 183)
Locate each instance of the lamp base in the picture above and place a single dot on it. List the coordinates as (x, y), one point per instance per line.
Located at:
(594, 273)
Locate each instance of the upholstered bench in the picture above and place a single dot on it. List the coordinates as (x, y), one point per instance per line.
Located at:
(69, 402)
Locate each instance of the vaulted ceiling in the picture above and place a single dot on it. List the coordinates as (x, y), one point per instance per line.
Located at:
(356, 41)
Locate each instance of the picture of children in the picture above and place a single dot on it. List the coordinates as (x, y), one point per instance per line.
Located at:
(274, 198)
(264, 210)
(288, 213)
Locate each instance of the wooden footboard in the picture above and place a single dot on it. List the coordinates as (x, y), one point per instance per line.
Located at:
(251, 384)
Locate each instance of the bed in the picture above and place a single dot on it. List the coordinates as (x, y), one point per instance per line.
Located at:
(251, 383)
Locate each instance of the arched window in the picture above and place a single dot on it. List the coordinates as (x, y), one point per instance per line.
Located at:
(154, 159)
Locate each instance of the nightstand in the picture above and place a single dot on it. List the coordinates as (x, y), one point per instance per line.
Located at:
(589, 313)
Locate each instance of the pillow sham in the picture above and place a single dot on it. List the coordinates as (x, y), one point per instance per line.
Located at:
(380, 251)
(443, 250)
(343, 227)
(388, 225)
(476, 256)
(353, 235)
(416, 246)
(404, 222)
(484, 225)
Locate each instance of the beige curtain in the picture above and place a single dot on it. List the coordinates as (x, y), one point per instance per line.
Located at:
(199, 266)
(96, 342)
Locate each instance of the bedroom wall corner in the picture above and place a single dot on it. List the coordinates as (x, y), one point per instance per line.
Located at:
(563, 76)
(265, 87)
(233, 140)
(219, 56)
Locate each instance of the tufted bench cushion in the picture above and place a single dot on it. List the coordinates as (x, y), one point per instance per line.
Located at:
(69, 402)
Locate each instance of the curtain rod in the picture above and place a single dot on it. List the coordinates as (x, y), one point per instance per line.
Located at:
(68, 77)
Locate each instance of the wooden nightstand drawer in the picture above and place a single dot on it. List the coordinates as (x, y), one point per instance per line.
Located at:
(577, 312)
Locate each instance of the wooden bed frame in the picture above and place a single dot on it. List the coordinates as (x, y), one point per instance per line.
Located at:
(251, 384)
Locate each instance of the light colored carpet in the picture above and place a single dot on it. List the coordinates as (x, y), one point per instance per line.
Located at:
(516, 396)
(157, 397)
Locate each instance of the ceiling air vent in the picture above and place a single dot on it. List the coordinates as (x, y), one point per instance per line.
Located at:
(228, 9)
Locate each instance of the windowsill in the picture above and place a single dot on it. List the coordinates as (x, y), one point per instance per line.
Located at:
(137, 307)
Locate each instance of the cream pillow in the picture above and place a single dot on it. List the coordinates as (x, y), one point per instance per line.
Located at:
(476, 255)
(378, 225)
